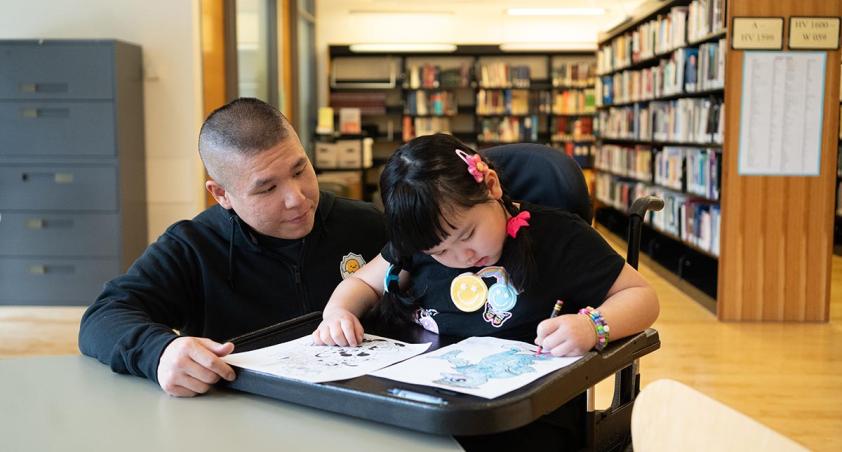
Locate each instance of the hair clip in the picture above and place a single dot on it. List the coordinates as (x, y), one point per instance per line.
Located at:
(476, 167)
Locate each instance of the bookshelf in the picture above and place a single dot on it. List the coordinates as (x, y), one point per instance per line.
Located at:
(759, 245)
(479, 93)
(660, 85)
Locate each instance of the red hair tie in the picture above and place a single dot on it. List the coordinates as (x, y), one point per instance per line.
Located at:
(516, 222)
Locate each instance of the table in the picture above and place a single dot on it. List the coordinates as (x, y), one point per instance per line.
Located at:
(71, 403)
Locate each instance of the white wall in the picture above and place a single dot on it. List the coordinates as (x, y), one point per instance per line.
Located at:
(168, 32)
(454, 22)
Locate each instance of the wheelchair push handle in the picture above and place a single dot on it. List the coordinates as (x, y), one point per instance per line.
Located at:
(645, 204)
(638, 210)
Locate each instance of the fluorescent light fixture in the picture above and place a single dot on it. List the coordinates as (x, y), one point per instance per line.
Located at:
(555, 11)
(547, 46)
(400, 12)
(403, 47)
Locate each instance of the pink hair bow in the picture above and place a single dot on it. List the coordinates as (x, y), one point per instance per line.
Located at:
(476, 166)
(516, 222)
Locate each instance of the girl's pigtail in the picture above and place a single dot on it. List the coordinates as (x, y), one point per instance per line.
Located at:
(522, 263)
(397, 306)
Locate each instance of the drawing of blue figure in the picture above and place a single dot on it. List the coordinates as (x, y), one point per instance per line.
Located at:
(507, 364)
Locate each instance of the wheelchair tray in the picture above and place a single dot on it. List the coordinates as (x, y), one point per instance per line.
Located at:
(447, 412)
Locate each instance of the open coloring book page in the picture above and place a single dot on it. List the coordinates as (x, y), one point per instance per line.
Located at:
(482, 366)
(302, 360)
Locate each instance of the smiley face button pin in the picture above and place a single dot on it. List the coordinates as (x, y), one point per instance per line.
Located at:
(468, 292)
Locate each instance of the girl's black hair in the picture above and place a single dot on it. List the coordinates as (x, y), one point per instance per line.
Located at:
(422, 185)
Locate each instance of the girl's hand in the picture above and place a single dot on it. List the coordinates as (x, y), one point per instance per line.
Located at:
(339, 327)
(566, 335)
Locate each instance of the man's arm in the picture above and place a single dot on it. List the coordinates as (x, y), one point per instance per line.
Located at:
(130, 326)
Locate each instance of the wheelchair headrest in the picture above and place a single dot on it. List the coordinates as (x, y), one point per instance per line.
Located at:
(542, 175)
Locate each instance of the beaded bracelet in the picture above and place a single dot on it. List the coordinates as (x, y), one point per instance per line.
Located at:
(600, 326)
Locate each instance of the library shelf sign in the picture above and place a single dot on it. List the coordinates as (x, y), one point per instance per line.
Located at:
(814, 33)
(781, 113)
(757, 33)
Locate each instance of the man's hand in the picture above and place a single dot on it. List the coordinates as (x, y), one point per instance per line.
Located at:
(190, 365)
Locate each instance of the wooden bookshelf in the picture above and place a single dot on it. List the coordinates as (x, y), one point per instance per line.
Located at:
(778, 231)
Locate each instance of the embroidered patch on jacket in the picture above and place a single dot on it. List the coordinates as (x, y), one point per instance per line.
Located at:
(351, 262)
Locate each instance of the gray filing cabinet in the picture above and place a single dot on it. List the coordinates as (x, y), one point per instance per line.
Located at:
(72, 168)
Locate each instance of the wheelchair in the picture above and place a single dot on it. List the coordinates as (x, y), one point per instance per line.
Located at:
(547, 176)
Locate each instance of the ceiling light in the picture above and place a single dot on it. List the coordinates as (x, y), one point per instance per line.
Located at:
(555, 11)
(547, 46)
(403, 47)
(400, 12)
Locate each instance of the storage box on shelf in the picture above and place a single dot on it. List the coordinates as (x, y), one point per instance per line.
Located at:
(342, 163)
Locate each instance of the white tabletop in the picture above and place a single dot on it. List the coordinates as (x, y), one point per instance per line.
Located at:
(72, 403)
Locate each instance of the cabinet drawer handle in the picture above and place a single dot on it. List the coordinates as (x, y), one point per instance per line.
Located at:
(35, 223)
(64, 178)
(58, 177)
(45, 269)
(43, 223)
(35, 113)
(43, 87)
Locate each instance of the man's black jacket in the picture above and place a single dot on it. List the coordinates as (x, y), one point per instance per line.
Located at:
(214, 277)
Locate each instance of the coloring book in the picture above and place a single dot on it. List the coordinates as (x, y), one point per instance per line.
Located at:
(300, 359)
(482, 366)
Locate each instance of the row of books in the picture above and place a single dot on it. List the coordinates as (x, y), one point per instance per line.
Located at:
(703, 171)
(618, 193)
(433, 76)
(700, 224)
(660, 35)
(690, 120)
(440, 103)
(574, 101)
(572, 128)
(669, 168)
(710, 68)
(512, 102)
(688, 219)
(576, 74)
(369, 103)
(503, 75)
(633, 162)
(416, 127)
(509, 129)
(705, 17)
(695, 171)
(691, 220)
(576, 149)
(686, 70)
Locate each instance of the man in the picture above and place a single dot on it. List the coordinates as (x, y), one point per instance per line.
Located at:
(273, 249)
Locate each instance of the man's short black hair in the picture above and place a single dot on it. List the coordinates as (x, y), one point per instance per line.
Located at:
(243, 126)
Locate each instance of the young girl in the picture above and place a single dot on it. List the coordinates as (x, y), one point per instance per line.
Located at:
(466, 260)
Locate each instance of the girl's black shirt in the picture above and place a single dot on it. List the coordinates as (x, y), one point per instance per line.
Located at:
(572, 263)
